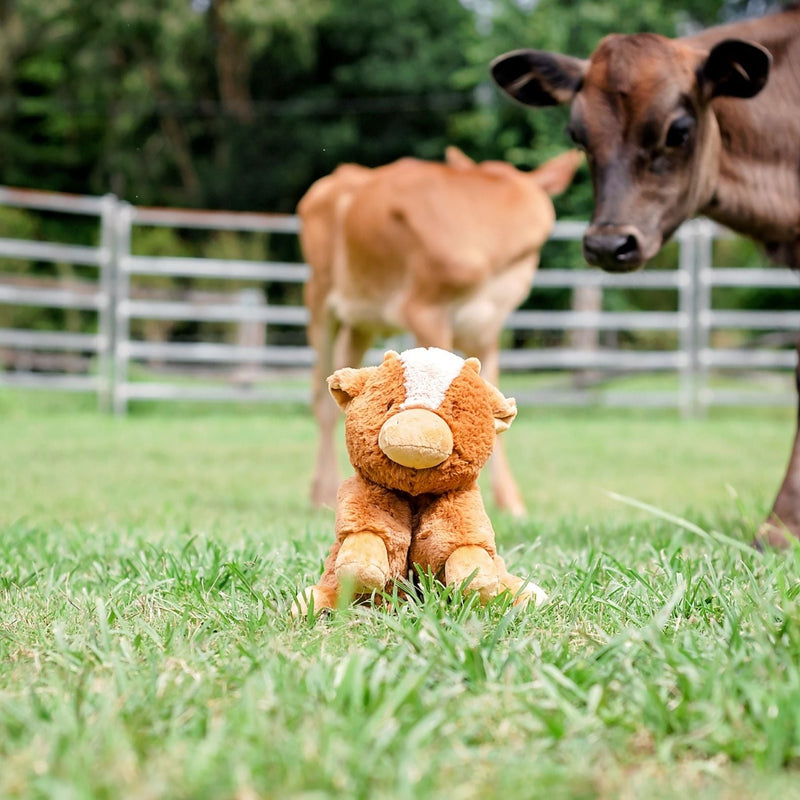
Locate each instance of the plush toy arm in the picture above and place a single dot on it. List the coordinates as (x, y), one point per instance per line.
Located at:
(454, 539)
(448, 521)
(373, 533)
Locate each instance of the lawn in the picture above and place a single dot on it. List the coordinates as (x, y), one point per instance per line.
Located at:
(147, 567)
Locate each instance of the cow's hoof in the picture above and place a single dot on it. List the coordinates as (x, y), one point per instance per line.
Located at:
(772, 535)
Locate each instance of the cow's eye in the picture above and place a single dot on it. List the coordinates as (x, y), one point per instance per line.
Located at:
(578, 135)
(679, 132)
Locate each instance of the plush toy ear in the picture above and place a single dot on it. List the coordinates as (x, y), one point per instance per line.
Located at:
(347, 383)
(505, 410)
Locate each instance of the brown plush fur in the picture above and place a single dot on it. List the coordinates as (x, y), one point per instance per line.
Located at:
(392, 519)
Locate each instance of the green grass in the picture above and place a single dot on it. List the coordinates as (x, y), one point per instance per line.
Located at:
(147, 567)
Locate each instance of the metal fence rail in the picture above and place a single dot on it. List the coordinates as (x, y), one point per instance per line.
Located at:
(254, 359)
(241, 308)
(95, 296)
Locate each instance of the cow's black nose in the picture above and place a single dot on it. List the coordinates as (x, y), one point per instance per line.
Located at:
(615, 252)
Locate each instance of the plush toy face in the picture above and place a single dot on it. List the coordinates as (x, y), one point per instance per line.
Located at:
(421, 422)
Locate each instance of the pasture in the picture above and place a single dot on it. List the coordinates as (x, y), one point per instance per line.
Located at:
(147, 567)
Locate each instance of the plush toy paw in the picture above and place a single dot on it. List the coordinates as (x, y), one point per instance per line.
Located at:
(523, 592)
(314, 597)
(527, 593)
(472, 563)
(363, 563)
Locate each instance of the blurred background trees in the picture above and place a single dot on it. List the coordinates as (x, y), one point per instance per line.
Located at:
(241, 104)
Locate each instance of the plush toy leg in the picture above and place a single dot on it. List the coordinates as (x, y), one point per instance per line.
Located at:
(524, 592)
(469, 559)
(363, 562)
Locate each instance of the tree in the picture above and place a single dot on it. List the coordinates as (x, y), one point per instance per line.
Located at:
(242, 103)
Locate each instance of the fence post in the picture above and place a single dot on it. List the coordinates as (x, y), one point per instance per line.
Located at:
(251, 334)
(704, 257)
(124, 219)
(688, 309)
(107, 311)
(586, 340)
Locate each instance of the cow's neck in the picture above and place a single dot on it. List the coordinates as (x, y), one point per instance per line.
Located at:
(756, 190)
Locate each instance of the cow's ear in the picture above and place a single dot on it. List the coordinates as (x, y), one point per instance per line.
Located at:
(455, 157)
(538, 78)
(347, 383)
(555, 175)
(735, 68)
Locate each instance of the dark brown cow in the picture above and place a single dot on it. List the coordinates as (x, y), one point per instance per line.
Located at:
(708, 124)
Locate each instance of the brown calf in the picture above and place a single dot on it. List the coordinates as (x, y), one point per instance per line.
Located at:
(444, 251)
(708, 124)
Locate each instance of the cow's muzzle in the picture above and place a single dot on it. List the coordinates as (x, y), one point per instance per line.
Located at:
(615, 249)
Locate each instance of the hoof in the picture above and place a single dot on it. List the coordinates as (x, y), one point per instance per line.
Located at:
(772, 535)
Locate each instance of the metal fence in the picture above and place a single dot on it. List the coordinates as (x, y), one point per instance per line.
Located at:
(93, 296)
(254, 367)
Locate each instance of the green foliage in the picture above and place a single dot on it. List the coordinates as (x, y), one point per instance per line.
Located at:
(241, 104)
(16, 223)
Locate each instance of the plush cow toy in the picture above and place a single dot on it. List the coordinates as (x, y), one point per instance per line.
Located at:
(419, 427)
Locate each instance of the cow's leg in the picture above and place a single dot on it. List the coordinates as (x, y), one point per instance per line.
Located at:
(784, 519)
(351, 347)
(506, 492)
(430, 324)
(360, 560)
(347, 349)
(322, 332)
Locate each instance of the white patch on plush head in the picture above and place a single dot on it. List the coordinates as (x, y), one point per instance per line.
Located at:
(429, 371)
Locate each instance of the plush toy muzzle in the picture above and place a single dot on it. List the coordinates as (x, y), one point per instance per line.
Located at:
(417, 438)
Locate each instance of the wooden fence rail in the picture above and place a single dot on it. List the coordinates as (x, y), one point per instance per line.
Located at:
(254, 366)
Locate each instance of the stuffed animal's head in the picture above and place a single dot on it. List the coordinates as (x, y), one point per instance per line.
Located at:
(423, 421)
